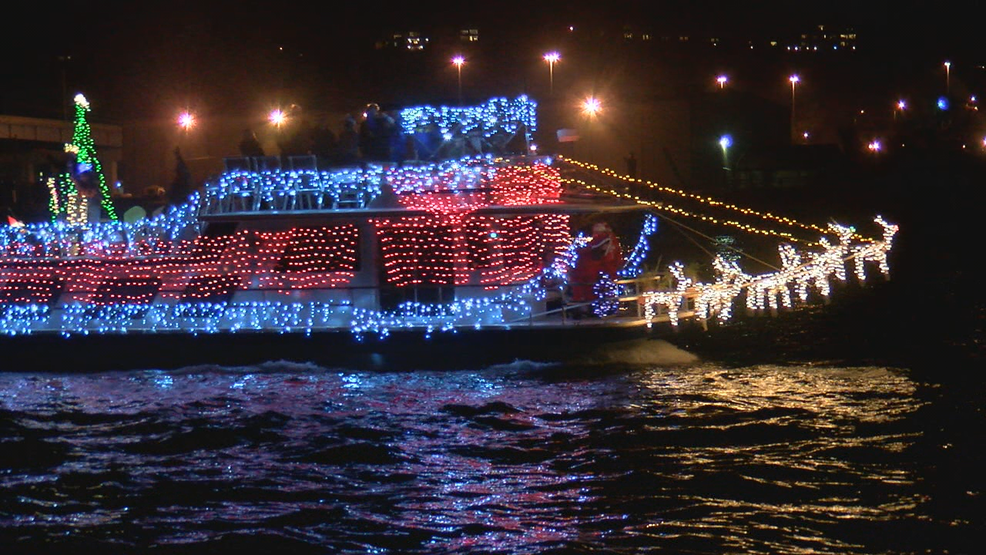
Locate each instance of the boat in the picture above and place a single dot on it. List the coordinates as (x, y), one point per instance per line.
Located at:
(483, 256)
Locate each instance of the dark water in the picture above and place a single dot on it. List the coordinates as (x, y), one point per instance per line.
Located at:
(523, 458)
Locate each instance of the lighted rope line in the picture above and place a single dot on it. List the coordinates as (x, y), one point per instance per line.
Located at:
(665, 206)
(707, 200)
(695, 231)
(680, 211)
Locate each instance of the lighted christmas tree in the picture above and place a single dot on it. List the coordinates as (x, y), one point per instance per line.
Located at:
(84, 179)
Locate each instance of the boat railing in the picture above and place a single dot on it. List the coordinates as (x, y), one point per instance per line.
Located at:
(627, 306)
(252, 185)
(247, 191)
(152, 304)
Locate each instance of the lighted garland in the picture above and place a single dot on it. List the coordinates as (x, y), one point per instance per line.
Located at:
(481, 180)
(54, 198)
(606, 292)
(67, 239)
(495, 116)
(123, 314)
(633, 264)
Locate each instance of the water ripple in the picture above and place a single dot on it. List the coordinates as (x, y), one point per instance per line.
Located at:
(513, 459)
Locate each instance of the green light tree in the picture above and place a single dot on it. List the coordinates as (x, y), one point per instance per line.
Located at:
(84, 179)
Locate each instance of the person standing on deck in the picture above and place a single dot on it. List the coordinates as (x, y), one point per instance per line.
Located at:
(631, 161)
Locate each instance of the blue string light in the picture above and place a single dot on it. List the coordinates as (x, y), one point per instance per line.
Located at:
(278, 190)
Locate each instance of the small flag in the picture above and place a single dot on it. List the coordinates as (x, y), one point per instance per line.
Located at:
(568, 135)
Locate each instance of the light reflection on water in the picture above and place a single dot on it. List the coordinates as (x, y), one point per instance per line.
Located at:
(514, 459)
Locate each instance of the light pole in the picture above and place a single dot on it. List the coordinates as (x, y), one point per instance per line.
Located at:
(64, 60)
(948, 67)
(590, 107)
(458, 61)
(899, 107)
(551, 58)
(722, 81)
(794, 79)
(724, 143)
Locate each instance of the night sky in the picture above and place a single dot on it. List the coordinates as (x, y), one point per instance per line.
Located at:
(139, 60)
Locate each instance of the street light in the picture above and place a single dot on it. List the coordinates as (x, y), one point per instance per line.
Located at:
(591, 106)
(794, 79)
(722, 81)
(948, 66)
(899, 107)
(458, 61)
(277, 117)
(186, 121)
(551, 58)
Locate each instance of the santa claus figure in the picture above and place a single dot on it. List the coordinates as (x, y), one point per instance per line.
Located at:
(601, 257)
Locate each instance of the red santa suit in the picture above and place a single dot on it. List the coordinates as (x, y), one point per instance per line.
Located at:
(602, 255)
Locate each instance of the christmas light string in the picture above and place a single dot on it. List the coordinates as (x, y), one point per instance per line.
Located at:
(260, 315)
(92, 251)
(665, 207)
(768, 290)
(498, 115)
(66, 200)
(692, 196)
(160, 274)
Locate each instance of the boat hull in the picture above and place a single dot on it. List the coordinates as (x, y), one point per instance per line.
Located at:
(400, 350)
